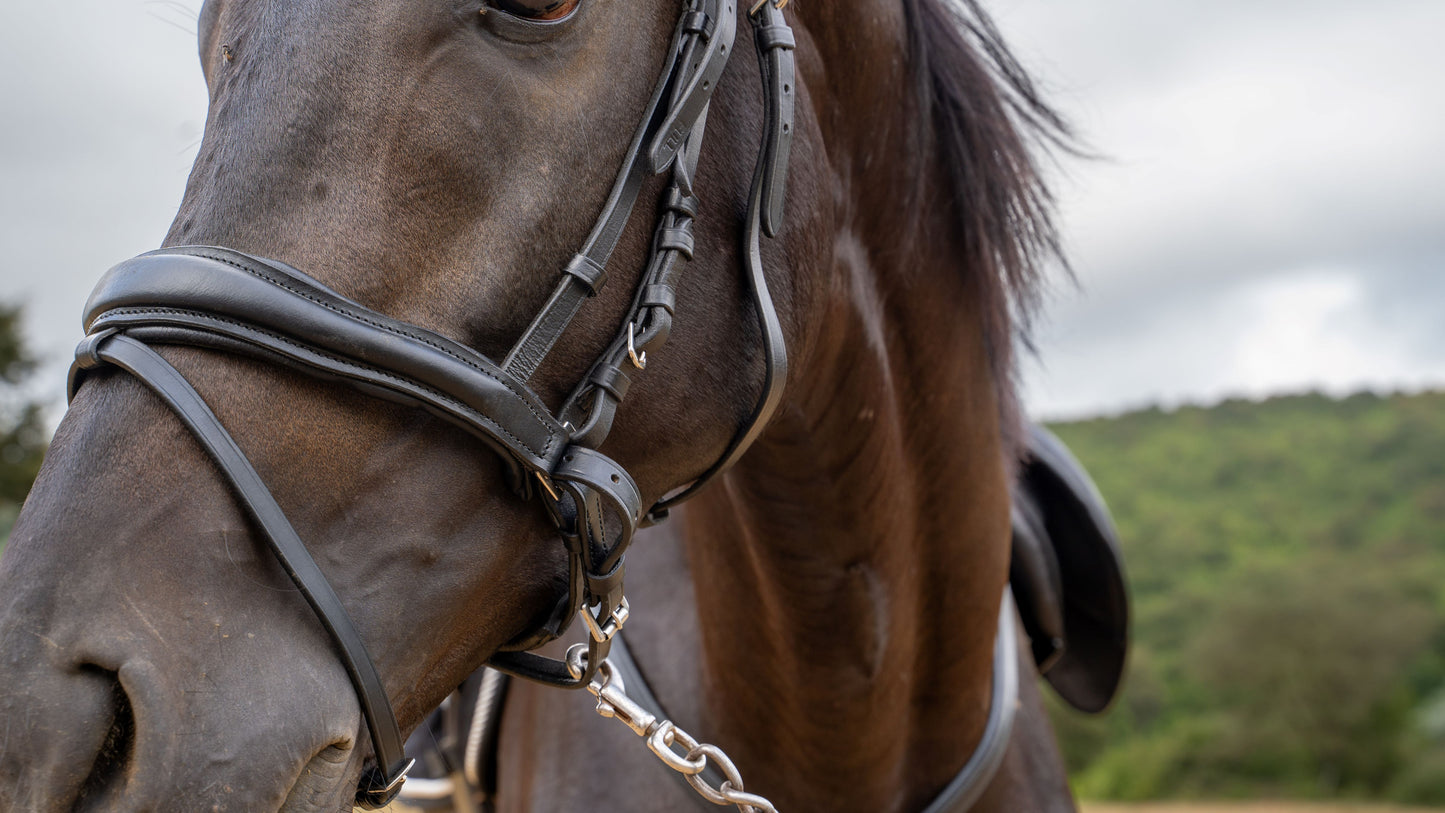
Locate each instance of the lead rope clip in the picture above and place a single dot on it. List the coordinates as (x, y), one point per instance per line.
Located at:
(664, 738)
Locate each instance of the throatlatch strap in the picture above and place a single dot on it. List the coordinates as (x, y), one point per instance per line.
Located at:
(775, 54)
(381, 784)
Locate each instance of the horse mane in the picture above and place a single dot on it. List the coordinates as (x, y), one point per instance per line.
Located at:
(988, 123)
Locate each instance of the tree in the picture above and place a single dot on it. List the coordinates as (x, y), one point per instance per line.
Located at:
(1309, 665)
(22, 420)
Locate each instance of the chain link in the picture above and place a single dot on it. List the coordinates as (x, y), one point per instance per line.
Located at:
(673, 746)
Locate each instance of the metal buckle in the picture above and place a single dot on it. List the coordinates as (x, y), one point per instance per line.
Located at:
(638, 360)
(400, 779)
(758, 6)
(602, 633)
(547, 484)
(376, 798)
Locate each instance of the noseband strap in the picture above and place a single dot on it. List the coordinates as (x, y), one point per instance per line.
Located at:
(108, 347)
(223, 299)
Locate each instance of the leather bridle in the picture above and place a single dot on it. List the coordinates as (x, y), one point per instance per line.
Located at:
(219, 298)
(223, 299)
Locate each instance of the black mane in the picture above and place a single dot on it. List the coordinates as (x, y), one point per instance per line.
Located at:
(988, 125)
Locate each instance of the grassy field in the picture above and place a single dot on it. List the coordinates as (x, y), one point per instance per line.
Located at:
(1247, 807)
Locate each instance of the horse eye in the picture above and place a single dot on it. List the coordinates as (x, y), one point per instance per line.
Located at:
(538, 9)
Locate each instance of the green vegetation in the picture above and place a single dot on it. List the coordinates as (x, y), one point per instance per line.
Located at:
(23, 435)
(1286, 559)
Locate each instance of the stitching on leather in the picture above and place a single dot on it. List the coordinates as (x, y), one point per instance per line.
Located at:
(551, 436)
(439, 395)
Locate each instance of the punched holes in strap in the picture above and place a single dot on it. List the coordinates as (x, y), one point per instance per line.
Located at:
(775, 44)
(610, 482)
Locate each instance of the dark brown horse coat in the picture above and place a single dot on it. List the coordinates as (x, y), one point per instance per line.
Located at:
(825, 613)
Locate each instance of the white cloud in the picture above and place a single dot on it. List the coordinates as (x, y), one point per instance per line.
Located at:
(1275, 177)
(1249, 143)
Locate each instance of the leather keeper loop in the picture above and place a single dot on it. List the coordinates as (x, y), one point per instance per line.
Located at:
(771, 37)
(678, 239)
(681, 203)
(613, 380)
(660, 296)
(588, 272)
(607, 587)
(697, 22)
(87, 353)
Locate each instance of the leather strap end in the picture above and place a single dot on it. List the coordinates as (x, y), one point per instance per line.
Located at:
(776, 43)
(710, 56)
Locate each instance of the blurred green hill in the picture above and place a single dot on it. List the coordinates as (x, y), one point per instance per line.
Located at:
(1287, 559)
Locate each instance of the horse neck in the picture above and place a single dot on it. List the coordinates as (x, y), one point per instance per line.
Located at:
(848, 571)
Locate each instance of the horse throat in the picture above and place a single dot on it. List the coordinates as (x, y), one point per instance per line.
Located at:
(848, 573)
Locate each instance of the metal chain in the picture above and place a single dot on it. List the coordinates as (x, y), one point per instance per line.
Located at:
(676, 748)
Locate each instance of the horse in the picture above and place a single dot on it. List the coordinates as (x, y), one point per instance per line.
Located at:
(357, 314)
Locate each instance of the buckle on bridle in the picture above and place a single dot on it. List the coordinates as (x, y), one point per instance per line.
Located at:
(639, 360)
(547, 484)
(372, 797)
(758, 6)
(603, 632)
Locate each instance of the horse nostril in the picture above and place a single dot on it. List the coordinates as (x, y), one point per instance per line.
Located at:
(115, 751)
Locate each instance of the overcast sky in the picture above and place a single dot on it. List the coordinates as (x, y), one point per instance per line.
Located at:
(1269, 217)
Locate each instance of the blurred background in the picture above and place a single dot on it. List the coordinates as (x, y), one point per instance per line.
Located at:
(1248, 365)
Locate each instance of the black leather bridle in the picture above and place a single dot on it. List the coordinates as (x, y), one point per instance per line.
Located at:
(223, 299)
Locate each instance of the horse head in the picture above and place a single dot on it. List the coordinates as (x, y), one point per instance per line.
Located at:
(425, 174)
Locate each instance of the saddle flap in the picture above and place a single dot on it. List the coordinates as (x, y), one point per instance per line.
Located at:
(1069, 576)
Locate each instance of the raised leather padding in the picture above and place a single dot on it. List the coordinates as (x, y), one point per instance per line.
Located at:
(1076, 576)
(231, 294)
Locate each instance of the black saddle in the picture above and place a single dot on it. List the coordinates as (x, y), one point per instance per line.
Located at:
(1068, 576)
